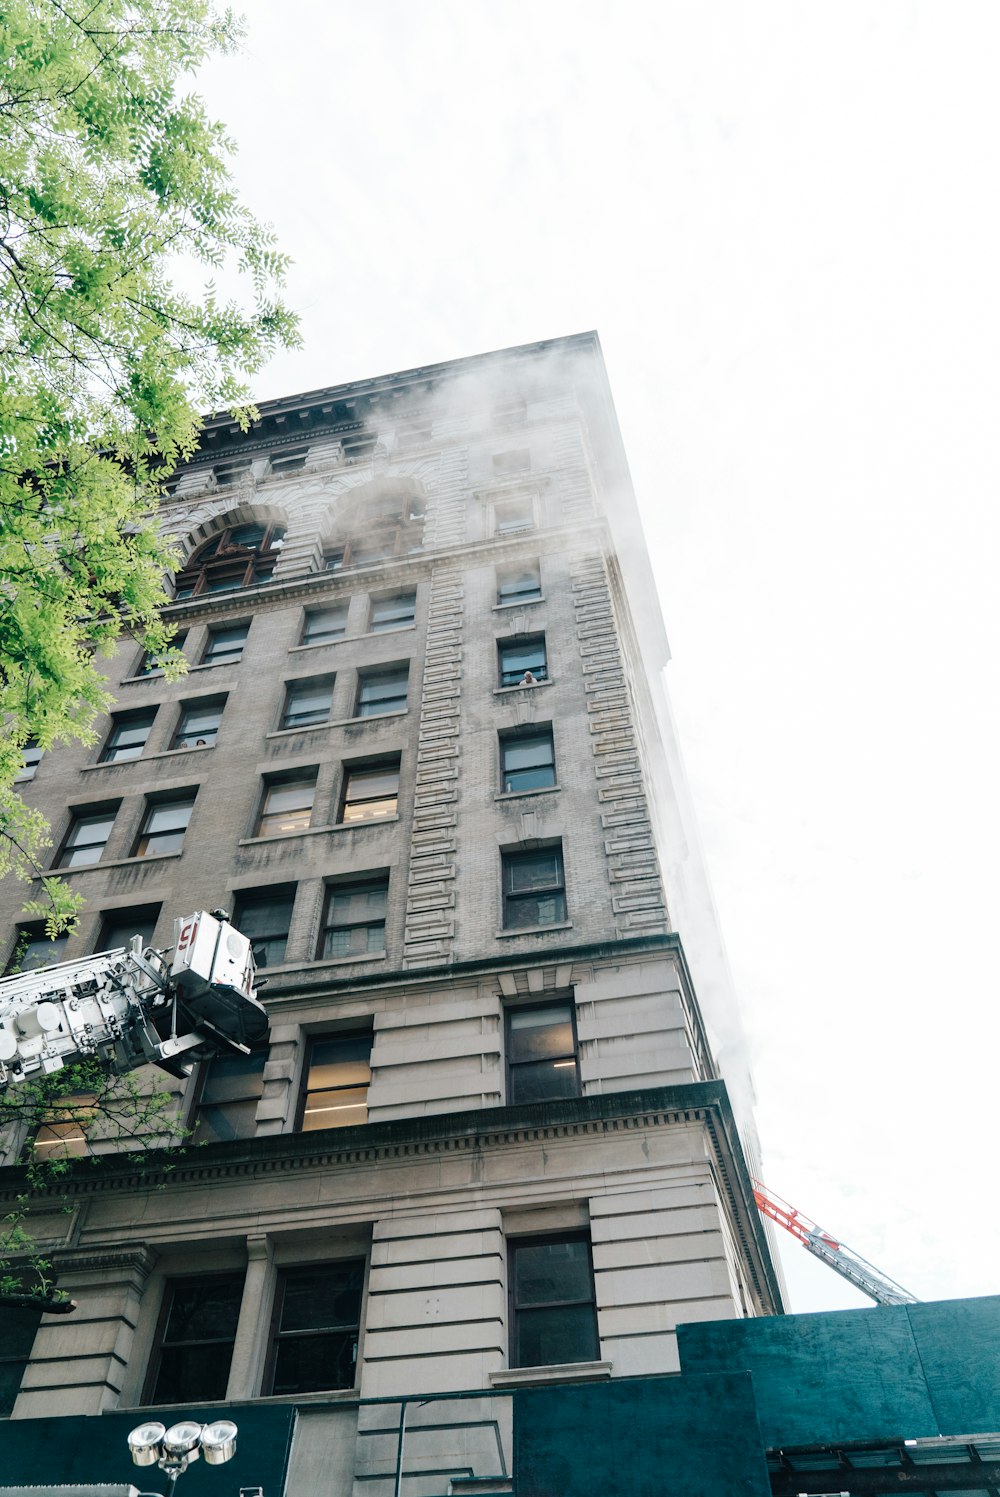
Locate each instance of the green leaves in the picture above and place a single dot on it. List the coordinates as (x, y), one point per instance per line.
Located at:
(110, 176)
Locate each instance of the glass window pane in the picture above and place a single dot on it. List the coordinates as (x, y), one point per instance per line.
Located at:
(552, 1272)
(524, 910)
(521, 656)
(343, 1108)
(36, 950)
(226, 644)
(544, 1081)
(234, 1077)
(356, 902)
(204, 1309)
(394, 612)
(119, 928)
(325, 1298)
(224, 1122)
(384, 692)
(257, 915)
(536, 1034)
(170, 816)
(534, 870)
(323, 624)
(308, 703)
(549, 1336)
(312, 1364)
(519, 586)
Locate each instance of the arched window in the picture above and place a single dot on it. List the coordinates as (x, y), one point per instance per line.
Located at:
(239, 556)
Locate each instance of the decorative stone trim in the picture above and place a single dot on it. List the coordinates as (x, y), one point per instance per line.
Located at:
(430, 896)
(637, 897)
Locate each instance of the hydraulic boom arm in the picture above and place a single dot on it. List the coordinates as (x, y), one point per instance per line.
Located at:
(850, 1265)
(131, 1007)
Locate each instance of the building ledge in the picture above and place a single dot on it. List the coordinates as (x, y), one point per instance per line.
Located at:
(558, 1372)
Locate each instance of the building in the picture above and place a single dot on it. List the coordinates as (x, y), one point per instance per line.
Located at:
(423, 753)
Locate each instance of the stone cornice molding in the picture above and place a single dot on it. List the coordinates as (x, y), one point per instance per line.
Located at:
(135, 1258)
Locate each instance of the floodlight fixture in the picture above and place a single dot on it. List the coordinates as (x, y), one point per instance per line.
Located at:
(144, 1443)
(182, 1439)
(175, 1448)
(218, 1442)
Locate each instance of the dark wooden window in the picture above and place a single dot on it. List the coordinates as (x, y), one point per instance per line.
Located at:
(335, 1085)
(225, 646)
(198, 725)
(164, 825)
(195, 1340)
(239, 556)
(527, 759)
(533, 888)
(541, 1053)
(522, 657)
(265, 916)
(128, 735)
(231, 1087)
(314, 1337)
(354, 919)
(553, 1311)
(371, 791)
(88, 835)
(119, 926)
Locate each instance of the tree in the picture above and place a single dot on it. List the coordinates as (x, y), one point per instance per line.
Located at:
(114, 190)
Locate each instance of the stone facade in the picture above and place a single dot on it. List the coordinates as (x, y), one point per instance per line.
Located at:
(420, 499)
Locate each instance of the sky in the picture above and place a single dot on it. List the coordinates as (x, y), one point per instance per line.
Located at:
(782, 220)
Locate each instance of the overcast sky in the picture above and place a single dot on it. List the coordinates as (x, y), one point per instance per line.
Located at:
(782, 220)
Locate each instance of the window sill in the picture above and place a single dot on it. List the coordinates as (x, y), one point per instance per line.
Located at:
(535, 930)
(501, 691)
(314, 831)
(389, 629)
(212, 665)
(153, 857)
(344, 961)
(337, 722)
(319, 644)
(147, 758)
(520, 794)
(558, 1372)
(519, 603)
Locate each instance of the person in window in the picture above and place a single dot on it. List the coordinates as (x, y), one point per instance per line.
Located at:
(528, 679)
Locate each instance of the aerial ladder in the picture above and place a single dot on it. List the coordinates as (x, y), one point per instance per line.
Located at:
(850, 1265)
(135, 1006)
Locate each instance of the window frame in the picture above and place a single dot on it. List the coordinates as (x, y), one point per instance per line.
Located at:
(521, 642)
(511, 1010)
(363, 883)
(33, 934)
(371, 674)
(326, 1037)
(213, 634)
(510, 737)
(301, 685)
(190, 707)
(111, 918)
(259, 1056)
(505, 504)
(147, 660)
(505, 575)
(261, 896)
(97, 813)
(275, 1337)
(405, 622)
(368, 767)
(316, 613)
(219, 557)
(516, 1311)
(149, 1391)
(153, 804)
(514, 898)
(31, 757)
(120, 721)
(287, 780)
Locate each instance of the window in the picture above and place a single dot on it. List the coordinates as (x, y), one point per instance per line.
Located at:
(393, 612)
(20, 1325)
(265, 916)
(335, 1089)
(553, 1315)
(199, 722)
(541, 1053)
(324, 624)
(195, 1340)
(517, 460)
(63, 1134)
(521, 584)
(382, 691)
(33, 948)
(225, 646)
(119, 926)
(307, 703)
(127, 739)
(521, 658)
(371, 791)
(527, 759)
(231, 1087)
(317, 1314)
(512, 515)
(354, 919)
(30, 756)
(287, 805)
(88, 834)
(333, 560)
(239, 556)
(533, 888)
(230, 471)
(288, 461)
(149, 661)
(164, 826)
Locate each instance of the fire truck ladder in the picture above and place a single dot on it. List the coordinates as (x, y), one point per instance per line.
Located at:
(850, 1265)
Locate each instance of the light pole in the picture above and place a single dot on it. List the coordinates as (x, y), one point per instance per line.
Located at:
(175, 1448)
